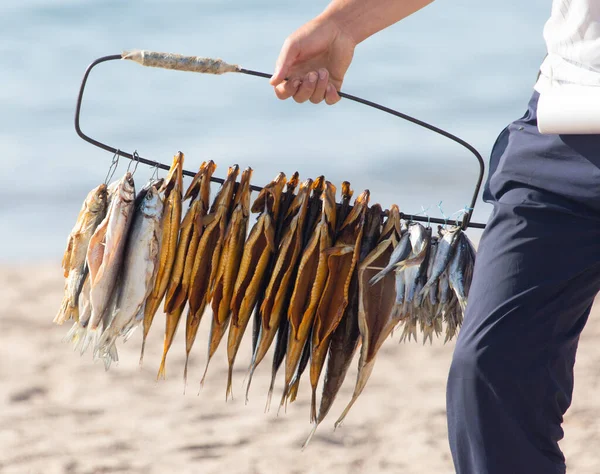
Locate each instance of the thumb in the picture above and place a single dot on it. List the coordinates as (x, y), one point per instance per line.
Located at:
(289, 52)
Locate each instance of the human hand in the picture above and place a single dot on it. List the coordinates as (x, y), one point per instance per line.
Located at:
(315, 59)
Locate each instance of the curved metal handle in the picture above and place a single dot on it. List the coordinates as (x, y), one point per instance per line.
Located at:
(217, 66)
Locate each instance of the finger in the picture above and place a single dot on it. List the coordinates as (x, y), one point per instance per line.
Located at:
(307, 87)
(288, 54)
(287, 89)
(331, 96)
(319, 94)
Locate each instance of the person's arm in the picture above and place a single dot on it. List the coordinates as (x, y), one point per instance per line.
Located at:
(315, 57)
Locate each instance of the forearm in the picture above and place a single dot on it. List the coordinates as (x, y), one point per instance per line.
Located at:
(363, 18)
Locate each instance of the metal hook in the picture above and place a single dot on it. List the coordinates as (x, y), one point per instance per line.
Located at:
(154, 175)
(443, 215)
(424, 212)
(460, 213)
(135, 159)
(113, 166)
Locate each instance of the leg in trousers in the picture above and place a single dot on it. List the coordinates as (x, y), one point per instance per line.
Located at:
(536, 276)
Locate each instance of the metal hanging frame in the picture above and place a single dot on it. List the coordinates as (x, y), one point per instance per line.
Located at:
(211, 66)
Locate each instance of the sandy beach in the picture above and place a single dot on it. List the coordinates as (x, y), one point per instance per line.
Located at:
(62, 413)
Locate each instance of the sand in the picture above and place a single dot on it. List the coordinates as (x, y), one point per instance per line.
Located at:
(62, 413)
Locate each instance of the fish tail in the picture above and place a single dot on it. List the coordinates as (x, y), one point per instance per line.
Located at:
(205, 371)
(310, 435)
(170, 329)
(313, 405)
(340, 420)
(185, 370)
(106, 348)
(284, 397)
(250, 374)
(90, 336)
(72, 335)
(161, 370)
(228, 391)
(294, 391)
(142, 351)
(270, 393)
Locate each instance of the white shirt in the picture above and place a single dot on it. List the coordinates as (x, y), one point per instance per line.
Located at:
(572, 37)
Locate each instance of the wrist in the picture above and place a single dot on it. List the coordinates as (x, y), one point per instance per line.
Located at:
(337, 18)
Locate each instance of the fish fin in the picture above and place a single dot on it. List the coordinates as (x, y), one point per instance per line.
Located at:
(66, 312)
(66, 260)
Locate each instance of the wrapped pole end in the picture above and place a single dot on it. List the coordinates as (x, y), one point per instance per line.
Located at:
(179, 62)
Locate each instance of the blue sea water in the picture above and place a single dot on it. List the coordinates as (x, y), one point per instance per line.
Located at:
(465, 65)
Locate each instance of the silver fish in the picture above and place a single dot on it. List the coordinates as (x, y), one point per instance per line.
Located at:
(105, 252)
(443, 256)
(400, 253)
(460, 271)
(140, 266)
(90, 216)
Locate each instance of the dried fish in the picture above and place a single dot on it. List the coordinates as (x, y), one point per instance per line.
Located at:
(376, 319)
(105, 251)
(229, 263)
(342, 210)
(341, 262)
(206, 260)
(140, 267)
(460, 271)
(444, 254)
(258, 249)
(286, 201)
(171, 190)
(309, 284)
(344, 340)
(272, 308)
(74, 264)
(190, 232)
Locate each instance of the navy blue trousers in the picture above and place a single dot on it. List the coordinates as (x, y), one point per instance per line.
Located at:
(536, 276)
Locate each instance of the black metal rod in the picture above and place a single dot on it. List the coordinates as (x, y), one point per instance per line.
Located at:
(465, 220)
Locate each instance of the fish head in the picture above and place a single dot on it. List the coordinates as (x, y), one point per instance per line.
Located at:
(356, 218)
(97, 199)
(152, 205)
(347, 192)
(225, 194)
(270, 196)
(126, 190)
(416, 234)
(292, 183)
(373, 222)
(301, 199)
(242, 195)
(318, 186)
(194, 187)
(174, 180)
(392, 224)
(204, 195)
(329, 205)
